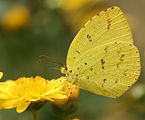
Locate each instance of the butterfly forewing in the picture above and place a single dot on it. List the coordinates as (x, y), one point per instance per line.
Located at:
(108, 26)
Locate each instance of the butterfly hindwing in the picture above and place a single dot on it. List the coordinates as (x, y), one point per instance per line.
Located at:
(108, 70)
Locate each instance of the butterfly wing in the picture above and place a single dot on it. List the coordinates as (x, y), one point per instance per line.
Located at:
(108, 70)
(108, 26)
(102, 57)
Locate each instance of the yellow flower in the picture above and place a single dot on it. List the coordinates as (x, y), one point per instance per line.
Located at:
(76, 4)
(17, 17)
(1, 75)
(21, 92)
(70, 90)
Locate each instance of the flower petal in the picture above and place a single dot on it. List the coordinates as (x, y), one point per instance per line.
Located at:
(1, 75)
(8, 104)
(22, 106)
(55, 96)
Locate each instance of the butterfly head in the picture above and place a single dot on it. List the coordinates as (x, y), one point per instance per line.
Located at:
(63, 70)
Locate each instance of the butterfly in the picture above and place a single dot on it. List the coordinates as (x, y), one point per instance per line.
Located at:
(102, 58)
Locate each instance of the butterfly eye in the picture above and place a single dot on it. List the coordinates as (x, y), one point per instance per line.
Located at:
(63, 70)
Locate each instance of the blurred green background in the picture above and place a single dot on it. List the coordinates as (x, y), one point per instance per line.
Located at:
(32, 28)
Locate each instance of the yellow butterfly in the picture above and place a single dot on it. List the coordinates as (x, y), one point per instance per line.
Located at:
(102, 57)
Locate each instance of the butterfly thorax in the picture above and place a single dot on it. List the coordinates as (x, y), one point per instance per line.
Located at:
(64, 70)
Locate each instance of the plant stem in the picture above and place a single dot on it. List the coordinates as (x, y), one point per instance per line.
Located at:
(35, 115)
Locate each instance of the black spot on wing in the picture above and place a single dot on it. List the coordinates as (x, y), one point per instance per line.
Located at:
(91, 69)
(108, 23)
(78, 52)
(106, 10)
(116, 81)
(104, 80)
(106, 49)
(128, 86)
(122, 57)
(125, 74)
(85, 63)
(89, 38)
(121, 60)
(102, 61)
(112, 7)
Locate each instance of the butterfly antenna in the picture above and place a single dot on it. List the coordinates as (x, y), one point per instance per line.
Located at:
(45, 58)
(53, 68)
